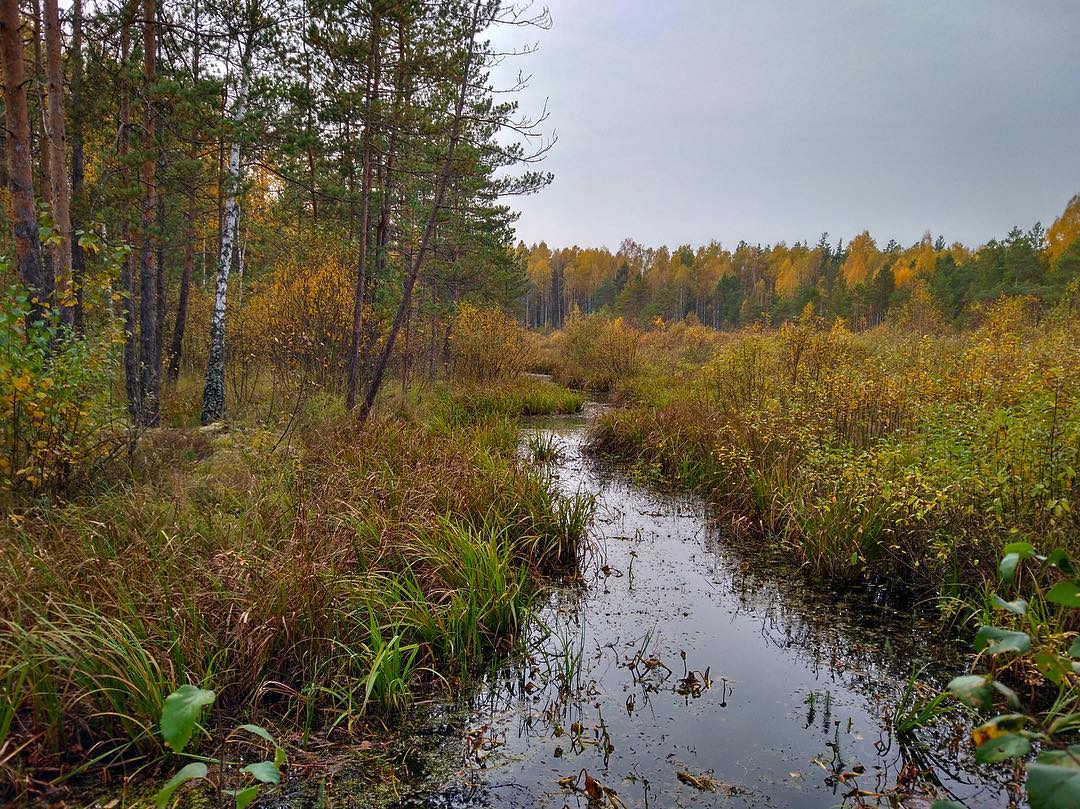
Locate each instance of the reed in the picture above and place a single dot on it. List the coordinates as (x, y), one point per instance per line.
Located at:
(308, 581)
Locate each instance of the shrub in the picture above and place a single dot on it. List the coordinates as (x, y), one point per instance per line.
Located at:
(58, 416)
(597, 352)
(486, 344)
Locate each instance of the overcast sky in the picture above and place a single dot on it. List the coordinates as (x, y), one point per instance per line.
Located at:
(765, 120)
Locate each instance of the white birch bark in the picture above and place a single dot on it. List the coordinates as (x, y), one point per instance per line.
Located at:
(214, 390)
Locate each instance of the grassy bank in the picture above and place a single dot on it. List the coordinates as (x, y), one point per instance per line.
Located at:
(886, 455)
(310, 577)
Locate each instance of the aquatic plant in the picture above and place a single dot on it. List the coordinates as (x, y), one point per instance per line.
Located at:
(1031, 644)
(179, 718)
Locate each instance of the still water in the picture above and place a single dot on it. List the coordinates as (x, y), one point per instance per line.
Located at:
(681, 672)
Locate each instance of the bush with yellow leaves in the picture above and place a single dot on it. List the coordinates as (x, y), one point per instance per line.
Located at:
(58, 415)
(597, 352)
(486, 344)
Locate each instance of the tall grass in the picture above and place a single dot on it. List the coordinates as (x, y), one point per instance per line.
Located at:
(309, 581)
(887, 455)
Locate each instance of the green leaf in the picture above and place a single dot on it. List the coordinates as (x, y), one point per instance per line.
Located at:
(190, 772)
(265, 771)
(1069, 757)
(1022, 549)
(1007, 692)
(259, 731)
(1054, 781)
(1007, 567)
(245, 797)
(182, 710)
(947, 805)
(1002, 748)
(996, 640)
(1054, 667)
(1074, 648)
(973, 690)
(1009, 722)
(1017, 607)
(1067, 722)
(1065, 592)
(1059, 559)
(279, 757)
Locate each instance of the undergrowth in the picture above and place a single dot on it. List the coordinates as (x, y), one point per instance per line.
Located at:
(886, 456)
(309, 580)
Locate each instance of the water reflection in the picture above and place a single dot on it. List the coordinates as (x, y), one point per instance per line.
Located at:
(685, 672)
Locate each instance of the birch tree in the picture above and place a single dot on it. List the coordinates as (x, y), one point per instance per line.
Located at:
(214, 389)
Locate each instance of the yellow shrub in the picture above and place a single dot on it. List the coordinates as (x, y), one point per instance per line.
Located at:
(598, 352)
(486, 344)
(58, 418)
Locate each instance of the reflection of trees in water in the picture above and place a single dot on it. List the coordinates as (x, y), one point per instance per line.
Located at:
(549, 687)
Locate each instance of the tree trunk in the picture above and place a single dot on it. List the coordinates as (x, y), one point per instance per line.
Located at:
(159, 253)
(78, 259)
(177, 347)
(214, 389)
(127, 269)
(20, 167)
(429, 229)
(433, 359)
(372, 90)
(149, 358)
(56, 137)
(190, 215)
(382, 233)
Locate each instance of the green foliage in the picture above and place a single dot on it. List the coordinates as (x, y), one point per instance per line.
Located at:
(1039, 643)
(58, 417)
(181, 713)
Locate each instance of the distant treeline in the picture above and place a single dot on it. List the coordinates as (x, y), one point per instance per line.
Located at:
(858, 281)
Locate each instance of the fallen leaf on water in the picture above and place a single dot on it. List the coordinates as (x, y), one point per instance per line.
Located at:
(592, 788)
(704, 783)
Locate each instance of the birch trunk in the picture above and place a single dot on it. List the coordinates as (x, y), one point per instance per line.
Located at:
(214, 390)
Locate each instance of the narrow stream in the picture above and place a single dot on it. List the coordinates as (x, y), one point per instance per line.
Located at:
(679, 674)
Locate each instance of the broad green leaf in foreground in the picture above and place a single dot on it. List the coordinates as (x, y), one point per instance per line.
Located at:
(1002, 748)
(973, 690)
(245, 797)
(182, 710)
(996, 640)
(265, 771)
(1065, 592)
(191, 772)
(1053, 782)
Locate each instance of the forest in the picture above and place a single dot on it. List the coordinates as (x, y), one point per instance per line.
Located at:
(319, 487)
(857, 281)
